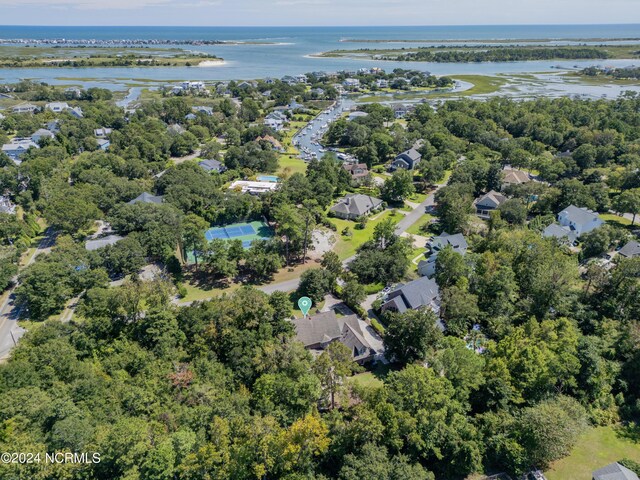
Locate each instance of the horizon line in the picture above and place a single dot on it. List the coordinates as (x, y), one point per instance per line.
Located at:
(331, 26)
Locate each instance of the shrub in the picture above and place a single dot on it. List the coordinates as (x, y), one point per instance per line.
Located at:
(377, 326)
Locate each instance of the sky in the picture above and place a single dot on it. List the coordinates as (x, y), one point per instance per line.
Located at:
(316, 12)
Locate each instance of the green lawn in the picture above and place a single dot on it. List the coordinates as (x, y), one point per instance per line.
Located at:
(415, 228)
(345, 247)
(291, 164)
(596, 448)
(482, 84)
(611, 218)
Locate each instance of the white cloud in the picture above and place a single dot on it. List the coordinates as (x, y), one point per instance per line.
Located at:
(106, 4)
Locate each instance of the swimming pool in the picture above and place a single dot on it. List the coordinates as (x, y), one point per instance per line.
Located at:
(268, 178)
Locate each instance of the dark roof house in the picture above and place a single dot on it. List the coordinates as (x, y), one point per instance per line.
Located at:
(630, 250)
(427, 268)
(407, 160)
(212, 166)
(419, 293)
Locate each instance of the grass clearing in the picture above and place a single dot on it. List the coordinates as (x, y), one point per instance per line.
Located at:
(613, 219)
(415, 229)
(482, 84)
(346, 247)
(596, 448)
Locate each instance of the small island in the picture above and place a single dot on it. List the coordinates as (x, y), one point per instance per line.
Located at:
(50, 57)
(492, 53)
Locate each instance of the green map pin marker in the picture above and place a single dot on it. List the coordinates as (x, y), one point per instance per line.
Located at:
(304, 303)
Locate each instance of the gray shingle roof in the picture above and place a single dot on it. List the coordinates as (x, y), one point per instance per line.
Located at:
(102, 242)
(457, 241)
(356, 204)
(558, 231)
(327, 327)
(614, 471)
(491, 199)
(631, 249)
(146, 197)
(415, 294)
(212, 165)
(579, 216)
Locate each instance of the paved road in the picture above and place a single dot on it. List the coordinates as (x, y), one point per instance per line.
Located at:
(413, 216)
(10, 332)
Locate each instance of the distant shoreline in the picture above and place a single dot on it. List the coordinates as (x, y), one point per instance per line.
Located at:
(490, 40)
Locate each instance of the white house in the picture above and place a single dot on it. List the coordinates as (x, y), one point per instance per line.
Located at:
(17, 148)
(57, 107)
(579, 220)
(24, 108)
(254, 188)
(351, 83)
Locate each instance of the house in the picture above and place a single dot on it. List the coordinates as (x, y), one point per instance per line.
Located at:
(212, 166)
(102, 132)
(103, 143)
(400, 111)
(97, 243)
(76, 112)
(190, 116)
(204, 110)
(561, 233)
(427, 268)
(275, 144)
(146, 197)
(274, 124)
(512, 176)
(382, 83)
(277, 115)
(357, 171)
(192, 86)
(53, 126)
(254, 188)
(630, 250)
(407, 160)
(488, 202)
(355, 205)
(42, 133)
(301, 78)
(317, 91)
(17, 148)
(25, 108)
(579, 220)
(614, 471)
(73, 92)
(7, 206)
(57, 107)
(2, 117)
(351, 83)
(289, 80)
(420, 293)
(319, 331)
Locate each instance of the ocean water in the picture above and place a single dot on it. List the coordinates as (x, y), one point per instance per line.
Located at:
(289, 50)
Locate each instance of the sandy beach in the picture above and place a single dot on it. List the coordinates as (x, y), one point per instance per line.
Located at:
(212, 63)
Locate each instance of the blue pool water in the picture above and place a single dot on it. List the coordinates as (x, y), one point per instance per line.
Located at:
(268, 178)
